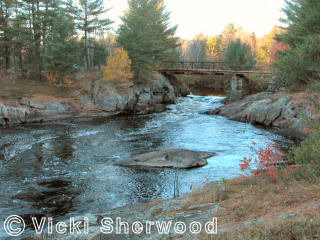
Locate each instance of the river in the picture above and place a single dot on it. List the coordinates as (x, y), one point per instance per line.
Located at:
(64, 169)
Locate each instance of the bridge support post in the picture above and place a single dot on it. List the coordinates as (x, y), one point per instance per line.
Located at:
(236, 88)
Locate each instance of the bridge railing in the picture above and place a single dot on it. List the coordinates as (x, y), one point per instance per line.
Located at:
(213, 66)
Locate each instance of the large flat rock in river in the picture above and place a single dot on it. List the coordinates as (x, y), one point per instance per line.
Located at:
(172, 158)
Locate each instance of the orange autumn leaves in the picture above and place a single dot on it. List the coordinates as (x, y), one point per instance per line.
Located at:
(118, 68)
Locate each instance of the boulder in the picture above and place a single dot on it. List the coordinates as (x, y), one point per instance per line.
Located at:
(151, 97)
(172, 158)
(281, 110)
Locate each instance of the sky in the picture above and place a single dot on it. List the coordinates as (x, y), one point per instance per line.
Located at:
(211, 16)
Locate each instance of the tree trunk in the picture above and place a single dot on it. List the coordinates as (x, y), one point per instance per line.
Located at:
(86, 44)
(21, 63)
(37, 39)
(7, 54)
(6, 41)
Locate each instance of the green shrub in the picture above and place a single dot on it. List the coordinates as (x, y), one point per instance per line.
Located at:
(258, 84)
(309, 151)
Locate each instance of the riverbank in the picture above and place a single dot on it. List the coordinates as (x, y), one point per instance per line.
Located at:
(90, 96)
(70, 169)
(284, 111)
(245, 208)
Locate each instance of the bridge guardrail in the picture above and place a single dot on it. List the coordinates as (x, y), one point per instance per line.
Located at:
(212, 66)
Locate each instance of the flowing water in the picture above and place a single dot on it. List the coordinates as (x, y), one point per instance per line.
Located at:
(67, 169)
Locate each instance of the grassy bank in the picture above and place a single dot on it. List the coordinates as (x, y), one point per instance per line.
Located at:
(13, 89)
(19, 88)
(280, 204)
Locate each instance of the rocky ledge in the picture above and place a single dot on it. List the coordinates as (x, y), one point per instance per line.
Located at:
(172, 158)
(285, 111)
(92, 99)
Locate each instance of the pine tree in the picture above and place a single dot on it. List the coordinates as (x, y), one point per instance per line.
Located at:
(299, 62)
(147, 36)
(90, 22)
(239, 56)
(302, 18)
(6, 33)
(100, 52)
(20, 37)
(61, 53)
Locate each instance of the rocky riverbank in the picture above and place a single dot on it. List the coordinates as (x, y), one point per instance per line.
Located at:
(284, 111)
(192, 216)
(91, 99)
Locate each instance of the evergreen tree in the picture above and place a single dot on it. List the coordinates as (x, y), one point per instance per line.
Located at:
(39, 35)
(90, 22)
(299, 62)
(100, 52)
(302, 18)
(239, 56)
(6, 33)
(147, 37)
(61, 53)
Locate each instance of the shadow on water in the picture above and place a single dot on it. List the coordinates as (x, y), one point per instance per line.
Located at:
(64, 169)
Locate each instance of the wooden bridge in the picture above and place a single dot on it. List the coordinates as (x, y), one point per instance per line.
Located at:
(215, 68)
(239, 75)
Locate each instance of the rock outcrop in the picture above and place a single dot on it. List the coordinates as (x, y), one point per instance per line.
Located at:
(282, 110)
(151, 98)
(96, 98)
(173, 158)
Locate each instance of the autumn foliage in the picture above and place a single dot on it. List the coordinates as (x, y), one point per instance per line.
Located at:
(278, 46)
(265, 163)
(118, 68)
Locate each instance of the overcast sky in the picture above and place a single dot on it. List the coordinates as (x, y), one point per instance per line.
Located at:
(211, 16)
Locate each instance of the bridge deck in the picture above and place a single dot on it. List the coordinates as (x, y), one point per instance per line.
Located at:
(207, 68)
(208, 71)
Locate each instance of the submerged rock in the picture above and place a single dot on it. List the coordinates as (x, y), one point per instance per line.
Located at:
(172, 158)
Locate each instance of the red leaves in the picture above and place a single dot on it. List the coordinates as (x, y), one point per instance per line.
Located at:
(266, 161)
(245, 164)
(307, 131)
(278, 46)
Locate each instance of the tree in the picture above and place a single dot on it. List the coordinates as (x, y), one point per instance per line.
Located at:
(61, 53)
(90, 22)
(118, 68)
(147, 36)
(197, 50)
(252, 41)
(302, 18)
(265, 45)
(100, 52)
(214, 47)
(239, 56)
(37, 36)
(6, 12)
(299, 62)
(33, 11)
(194, 50)
(276, 47)
(228, 35)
